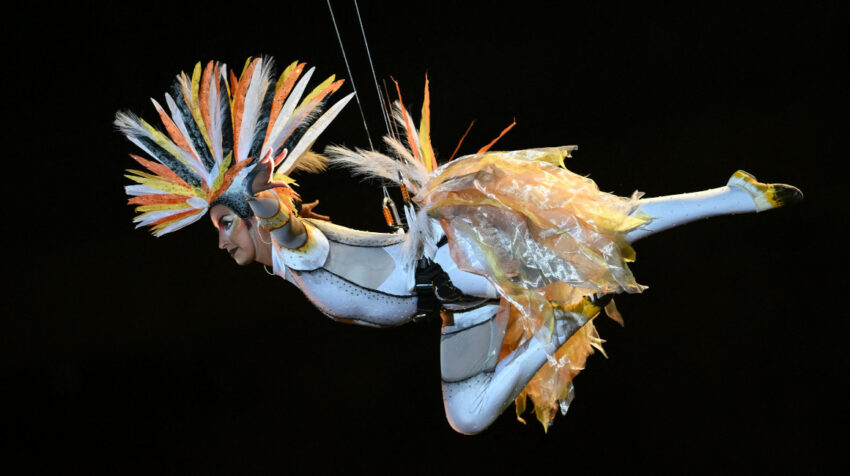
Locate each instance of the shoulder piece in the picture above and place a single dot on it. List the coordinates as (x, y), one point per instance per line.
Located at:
(350, 236)
(311, 255)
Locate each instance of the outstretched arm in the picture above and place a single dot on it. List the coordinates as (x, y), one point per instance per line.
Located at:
(273, 214)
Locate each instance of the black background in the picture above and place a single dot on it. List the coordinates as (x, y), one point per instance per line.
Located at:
(126, 353)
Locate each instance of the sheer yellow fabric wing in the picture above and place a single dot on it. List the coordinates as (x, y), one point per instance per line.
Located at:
(546, 238)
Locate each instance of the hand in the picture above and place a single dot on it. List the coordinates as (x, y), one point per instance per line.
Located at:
(261, 177)
(307, 211)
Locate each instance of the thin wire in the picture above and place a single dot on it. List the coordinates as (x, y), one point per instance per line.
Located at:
(393, 125)
(372, 65)
(351, 77)
(377, 88)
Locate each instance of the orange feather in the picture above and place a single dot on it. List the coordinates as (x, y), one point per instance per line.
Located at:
(157, 199)
(407, 122)
(204, 95)
(228, 178)
(239, 102)
(461, 140)
(174, 217)
(280, 96)
(161, 171)
(425, 131)
(174, 132)
(487, 147)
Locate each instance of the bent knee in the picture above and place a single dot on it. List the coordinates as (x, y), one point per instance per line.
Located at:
(467, 408)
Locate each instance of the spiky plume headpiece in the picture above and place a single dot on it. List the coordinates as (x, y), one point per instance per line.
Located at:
(218, 128)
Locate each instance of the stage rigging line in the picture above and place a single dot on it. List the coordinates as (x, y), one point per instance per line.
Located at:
(388, 206)
(351, 77)
(372, 65)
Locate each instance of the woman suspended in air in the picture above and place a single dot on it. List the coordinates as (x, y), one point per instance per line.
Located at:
(518, 253)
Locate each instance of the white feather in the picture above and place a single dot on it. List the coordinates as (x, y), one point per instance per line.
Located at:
(150, 217)
(413, 171)
(364, 163)
(277, 135)
(139, 189)
(422, 236)
(289, 163)
(181, 223)
(253, 105)
(404, 118)
(215, 114)
(132, 128)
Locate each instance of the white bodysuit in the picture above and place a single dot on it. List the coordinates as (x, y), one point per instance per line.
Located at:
(391, 302)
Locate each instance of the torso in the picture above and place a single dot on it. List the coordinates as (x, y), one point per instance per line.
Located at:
(360, 276)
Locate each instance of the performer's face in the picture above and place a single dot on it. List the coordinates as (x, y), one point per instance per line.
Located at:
(234, 235)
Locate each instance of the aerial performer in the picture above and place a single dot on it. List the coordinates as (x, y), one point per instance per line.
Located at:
(517, 253)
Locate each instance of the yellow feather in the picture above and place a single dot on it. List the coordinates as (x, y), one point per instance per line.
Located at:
(196, 104)
(222, 168)
(315, 92)
(162, 206)
(283, 76)
(425, 132)
(159, 183)
(165, 142)
(279, 177)
(196, 80)
(245, 67)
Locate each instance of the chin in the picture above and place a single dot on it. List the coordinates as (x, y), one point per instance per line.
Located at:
(243, 260)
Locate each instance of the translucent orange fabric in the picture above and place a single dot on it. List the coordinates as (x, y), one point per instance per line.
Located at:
(546, 238)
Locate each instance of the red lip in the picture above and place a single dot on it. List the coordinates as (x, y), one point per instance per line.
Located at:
(232, 251)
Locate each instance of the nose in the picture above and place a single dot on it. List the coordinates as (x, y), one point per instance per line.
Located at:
(222, 241)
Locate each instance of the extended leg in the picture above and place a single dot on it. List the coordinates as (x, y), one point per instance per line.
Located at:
(742, 194)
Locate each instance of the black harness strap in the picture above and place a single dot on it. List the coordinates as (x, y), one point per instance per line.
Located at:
(434, 287)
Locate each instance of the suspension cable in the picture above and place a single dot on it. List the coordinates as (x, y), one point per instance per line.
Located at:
(351, 77)
(372, 65)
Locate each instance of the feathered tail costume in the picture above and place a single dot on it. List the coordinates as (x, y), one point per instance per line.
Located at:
(545, 237)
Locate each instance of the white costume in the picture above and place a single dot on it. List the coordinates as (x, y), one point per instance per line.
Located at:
(531, 245)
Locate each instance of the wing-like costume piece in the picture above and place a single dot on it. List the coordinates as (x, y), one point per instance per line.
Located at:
(545, 237)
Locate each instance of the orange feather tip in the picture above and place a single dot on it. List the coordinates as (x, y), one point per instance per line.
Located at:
(493, 142)
(336, 85)
(461, 140)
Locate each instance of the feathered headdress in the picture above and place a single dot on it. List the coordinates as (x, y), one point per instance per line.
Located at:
(218, 129)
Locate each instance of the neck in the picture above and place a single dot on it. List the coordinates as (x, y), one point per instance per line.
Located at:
(262, 243)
